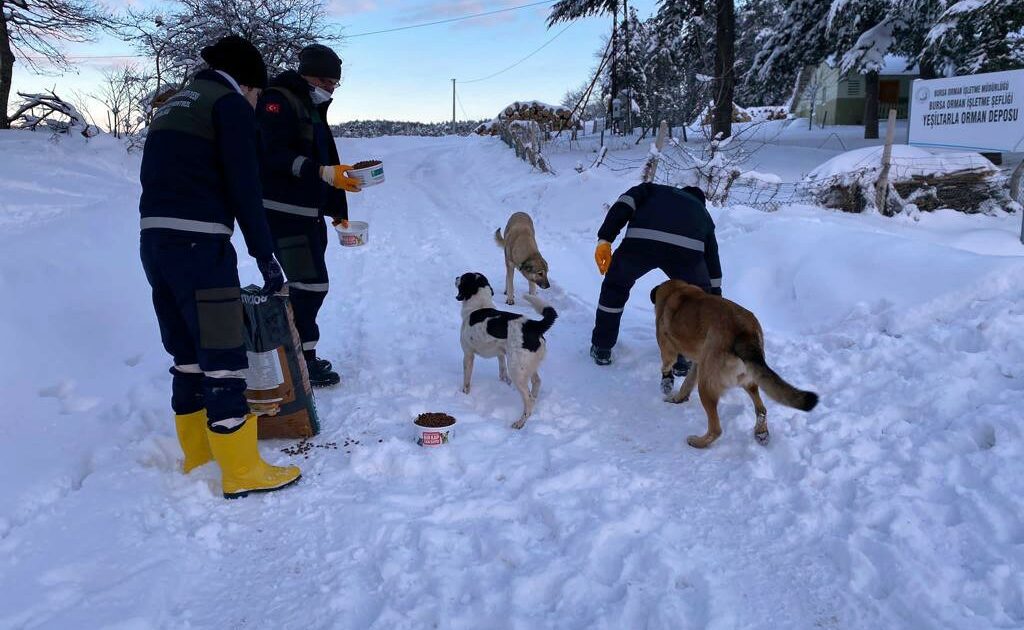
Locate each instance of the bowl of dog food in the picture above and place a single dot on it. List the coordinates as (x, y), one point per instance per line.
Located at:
(368, 172)
(433, 429)
(355, 235)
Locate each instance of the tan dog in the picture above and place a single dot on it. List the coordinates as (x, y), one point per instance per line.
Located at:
(521, 253)
(726, 344)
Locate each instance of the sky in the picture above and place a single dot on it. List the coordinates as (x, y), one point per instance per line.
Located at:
(406, 75)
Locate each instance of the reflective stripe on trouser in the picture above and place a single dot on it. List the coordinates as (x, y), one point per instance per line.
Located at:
(634, 259)
(301, 246)
(196, 298)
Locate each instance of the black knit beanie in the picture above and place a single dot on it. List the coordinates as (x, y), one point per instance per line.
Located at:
(318, 60)
(239, 58)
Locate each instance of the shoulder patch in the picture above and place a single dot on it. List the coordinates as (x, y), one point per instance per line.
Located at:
(273, 108)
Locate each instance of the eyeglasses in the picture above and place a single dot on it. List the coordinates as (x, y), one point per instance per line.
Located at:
(326, 83)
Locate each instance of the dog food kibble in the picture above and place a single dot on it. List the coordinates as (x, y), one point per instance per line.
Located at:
(434, 420)
(304, 447)
(366, 164)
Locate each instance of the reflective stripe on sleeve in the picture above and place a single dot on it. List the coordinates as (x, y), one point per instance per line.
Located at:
(315, 287)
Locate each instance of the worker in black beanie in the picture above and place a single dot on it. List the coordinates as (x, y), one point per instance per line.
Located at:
(303, 182)
(200, 177)
(239, 59)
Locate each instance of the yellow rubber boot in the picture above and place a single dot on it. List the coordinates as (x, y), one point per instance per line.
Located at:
(241, 467)
(192, 437)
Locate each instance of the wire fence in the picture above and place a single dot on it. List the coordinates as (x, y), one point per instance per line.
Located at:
(963, 180)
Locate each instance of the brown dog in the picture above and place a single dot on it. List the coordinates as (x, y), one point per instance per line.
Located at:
(726, 344)
(520, 245)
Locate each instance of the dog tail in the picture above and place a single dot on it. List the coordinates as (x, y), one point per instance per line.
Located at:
(497, 238)
(749, 350)
(548, 315)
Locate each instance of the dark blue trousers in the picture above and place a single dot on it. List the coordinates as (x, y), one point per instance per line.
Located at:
(301, 247)
(196, 297)
(634, 259)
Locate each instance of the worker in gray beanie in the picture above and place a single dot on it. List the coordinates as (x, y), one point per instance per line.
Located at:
(303, 182)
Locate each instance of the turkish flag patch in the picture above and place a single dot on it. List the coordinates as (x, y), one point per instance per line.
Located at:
(273, 108)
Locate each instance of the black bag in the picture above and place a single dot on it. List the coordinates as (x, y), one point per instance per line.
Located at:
(277, 383)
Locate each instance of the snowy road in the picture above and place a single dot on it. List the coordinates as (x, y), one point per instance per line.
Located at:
(895, 504)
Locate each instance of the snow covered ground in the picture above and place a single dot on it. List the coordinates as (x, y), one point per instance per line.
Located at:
(895, 504)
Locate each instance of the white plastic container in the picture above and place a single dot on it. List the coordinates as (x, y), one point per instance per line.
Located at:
(370, 175)
(431, 437)
(355, 235)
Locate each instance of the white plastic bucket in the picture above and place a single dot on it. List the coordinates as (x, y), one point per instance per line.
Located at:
(356, 234)
(432, 437)
(370, 175)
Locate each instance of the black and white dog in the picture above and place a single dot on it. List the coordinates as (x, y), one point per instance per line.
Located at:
(492, 333)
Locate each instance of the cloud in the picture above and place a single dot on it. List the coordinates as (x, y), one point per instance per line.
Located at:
(346, 8)
(444, 9)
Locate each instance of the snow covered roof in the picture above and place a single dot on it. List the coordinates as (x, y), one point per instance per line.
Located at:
(908, 162)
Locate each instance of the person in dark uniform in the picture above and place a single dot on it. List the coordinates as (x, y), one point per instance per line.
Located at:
(302, 183)
(200, 174)
(669, 229)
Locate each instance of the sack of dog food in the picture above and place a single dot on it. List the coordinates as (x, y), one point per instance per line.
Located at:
(277, 383)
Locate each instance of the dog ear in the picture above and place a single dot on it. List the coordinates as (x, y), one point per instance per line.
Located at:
(654, 293)
(462, 283)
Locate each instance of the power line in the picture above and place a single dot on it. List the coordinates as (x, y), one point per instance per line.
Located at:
(454, 19)
(344, 37)
(542, 47)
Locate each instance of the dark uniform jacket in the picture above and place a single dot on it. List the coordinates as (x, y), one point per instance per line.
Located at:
(665, 218)
(295, 141)
(200, 168)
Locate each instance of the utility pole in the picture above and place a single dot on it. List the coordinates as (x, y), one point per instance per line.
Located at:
(453, 106)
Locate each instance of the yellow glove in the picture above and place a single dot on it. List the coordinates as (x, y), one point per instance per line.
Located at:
(603, 256)
(335, 176)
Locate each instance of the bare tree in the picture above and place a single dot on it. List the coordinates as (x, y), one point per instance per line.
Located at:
(172, 39)
(39, 27)
(124, 95)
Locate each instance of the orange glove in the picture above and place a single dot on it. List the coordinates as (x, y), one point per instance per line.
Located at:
(335, 176)
(342, 222)
(603, 256)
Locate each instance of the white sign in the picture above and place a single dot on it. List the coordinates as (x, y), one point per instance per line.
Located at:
(981, 112)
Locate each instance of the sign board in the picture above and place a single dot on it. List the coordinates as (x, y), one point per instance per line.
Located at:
(980, 112)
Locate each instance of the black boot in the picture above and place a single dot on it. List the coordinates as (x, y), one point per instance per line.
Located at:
(681, 367)
(601, 356)
(321, 374)
(321, 363)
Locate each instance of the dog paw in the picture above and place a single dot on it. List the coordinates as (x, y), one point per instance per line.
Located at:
(666, 386)
(505, 378)
(510, 301)
(701, 441)
(762, 437)
(465, 389)
(675, 400)
(518, 424)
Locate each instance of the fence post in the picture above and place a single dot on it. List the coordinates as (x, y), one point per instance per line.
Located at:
(1015, 180)
(651, 169)
(882, 186)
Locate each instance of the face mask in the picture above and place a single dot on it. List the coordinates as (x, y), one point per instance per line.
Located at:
(319, 95)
